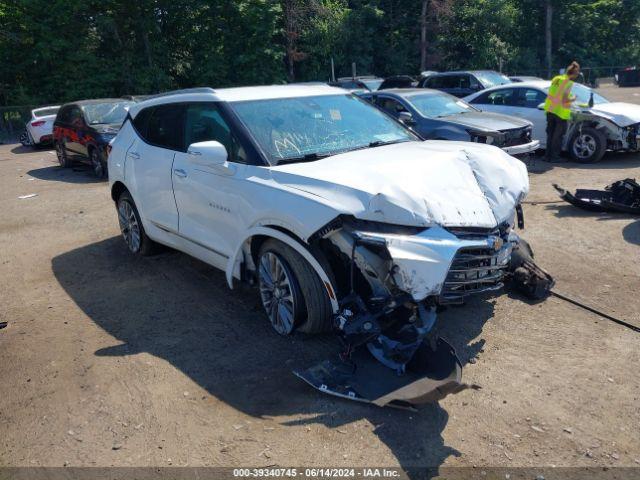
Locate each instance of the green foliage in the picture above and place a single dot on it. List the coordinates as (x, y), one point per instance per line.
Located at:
(61, 50)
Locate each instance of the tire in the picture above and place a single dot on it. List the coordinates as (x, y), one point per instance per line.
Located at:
(25, 139)
(286, 277)
(131, 227)
(61, 152)
(588, 145)
(98, 167)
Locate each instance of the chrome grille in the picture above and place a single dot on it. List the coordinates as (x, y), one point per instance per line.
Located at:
(474, 270)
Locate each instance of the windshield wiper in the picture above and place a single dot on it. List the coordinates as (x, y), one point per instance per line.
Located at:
(309, 157)
(380, 143)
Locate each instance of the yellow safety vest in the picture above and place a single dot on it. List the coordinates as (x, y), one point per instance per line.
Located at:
(554, 102)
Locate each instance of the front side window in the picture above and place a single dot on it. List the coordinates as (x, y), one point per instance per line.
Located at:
(531, 98)
(307, 128)
(390, 105)
(106, 113)
(203, 122)
(435, 105)
(75, 117)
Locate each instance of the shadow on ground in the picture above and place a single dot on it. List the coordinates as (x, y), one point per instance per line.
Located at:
(77, 174)
(610, 161)
(181, 310)
(19, 149)
(631, 233)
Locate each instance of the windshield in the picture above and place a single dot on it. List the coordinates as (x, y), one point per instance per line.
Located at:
(105, 113)
(439, 105)
(373, 84)
(583, 93)
(491, 79)
(307, 128)
(45, 111)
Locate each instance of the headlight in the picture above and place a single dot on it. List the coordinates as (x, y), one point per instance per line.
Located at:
(488, 137)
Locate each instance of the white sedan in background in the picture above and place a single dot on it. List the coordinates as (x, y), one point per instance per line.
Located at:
(613, 126)
(39, 130)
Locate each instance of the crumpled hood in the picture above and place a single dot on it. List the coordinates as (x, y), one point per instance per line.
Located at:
(416, 183)
(622, 114)
(486, 121)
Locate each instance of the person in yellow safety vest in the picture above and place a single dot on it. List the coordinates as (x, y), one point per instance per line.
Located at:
(558, 108)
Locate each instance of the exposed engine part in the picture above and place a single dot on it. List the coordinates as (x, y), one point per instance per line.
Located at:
(527, 277)
(622, 196)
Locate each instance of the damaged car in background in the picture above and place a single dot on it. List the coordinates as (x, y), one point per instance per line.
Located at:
(342, 217)
(596, 126)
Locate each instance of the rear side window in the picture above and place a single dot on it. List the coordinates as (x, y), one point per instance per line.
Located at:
(165, 126)
(505, 96)
(63, 114)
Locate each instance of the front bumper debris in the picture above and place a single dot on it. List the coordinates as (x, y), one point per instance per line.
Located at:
(431, 375)
(622, 196)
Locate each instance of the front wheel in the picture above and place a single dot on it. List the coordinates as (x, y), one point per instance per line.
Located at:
(292, 294)
(131, 227)
(588, 145)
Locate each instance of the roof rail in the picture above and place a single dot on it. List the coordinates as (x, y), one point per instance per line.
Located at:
(182, 92)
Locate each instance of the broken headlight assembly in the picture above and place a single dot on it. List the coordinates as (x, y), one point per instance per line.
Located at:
(486, 136)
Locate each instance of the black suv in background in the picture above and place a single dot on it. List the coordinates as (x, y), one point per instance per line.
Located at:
(464, 83)
(82, 130)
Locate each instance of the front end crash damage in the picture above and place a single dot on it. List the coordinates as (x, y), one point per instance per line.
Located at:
(395, 279)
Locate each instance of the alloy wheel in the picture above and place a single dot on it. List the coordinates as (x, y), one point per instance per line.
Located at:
(60, 153)
(96, 164)
(584, 146)
(276, 292)
(129, 226)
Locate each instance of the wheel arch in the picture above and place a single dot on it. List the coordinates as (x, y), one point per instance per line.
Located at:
(257, 235)
(116, 190)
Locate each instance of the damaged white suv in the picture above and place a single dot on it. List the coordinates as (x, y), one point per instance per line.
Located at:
(343, 218)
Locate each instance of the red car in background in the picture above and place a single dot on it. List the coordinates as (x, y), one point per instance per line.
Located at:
(82, 131)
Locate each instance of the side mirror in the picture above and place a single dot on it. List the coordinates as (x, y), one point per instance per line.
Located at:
(406, 118)
(207, 154)
(541, 106)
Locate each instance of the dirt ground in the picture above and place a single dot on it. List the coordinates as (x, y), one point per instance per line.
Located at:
(112, 360)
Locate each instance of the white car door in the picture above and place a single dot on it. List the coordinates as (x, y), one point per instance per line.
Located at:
(208, 196)
(149, 161)
(517, 102)
(529, 99)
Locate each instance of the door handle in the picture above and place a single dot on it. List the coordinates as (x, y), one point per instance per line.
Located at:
(178, 172)
(135, 155)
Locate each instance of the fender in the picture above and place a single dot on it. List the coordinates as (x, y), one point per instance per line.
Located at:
(270, 232)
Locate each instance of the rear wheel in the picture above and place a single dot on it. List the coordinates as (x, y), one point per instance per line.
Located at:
(25, 139)
(588, 145)
(97, 165)
(131, 227)
(292, 294)
(61, 152)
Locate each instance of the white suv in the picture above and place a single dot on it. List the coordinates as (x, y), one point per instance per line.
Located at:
(340, 214)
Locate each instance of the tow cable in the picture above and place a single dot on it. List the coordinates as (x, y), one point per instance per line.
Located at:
(597, 312)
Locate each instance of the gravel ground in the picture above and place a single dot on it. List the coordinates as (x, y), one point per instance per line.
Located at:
(112, 360)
